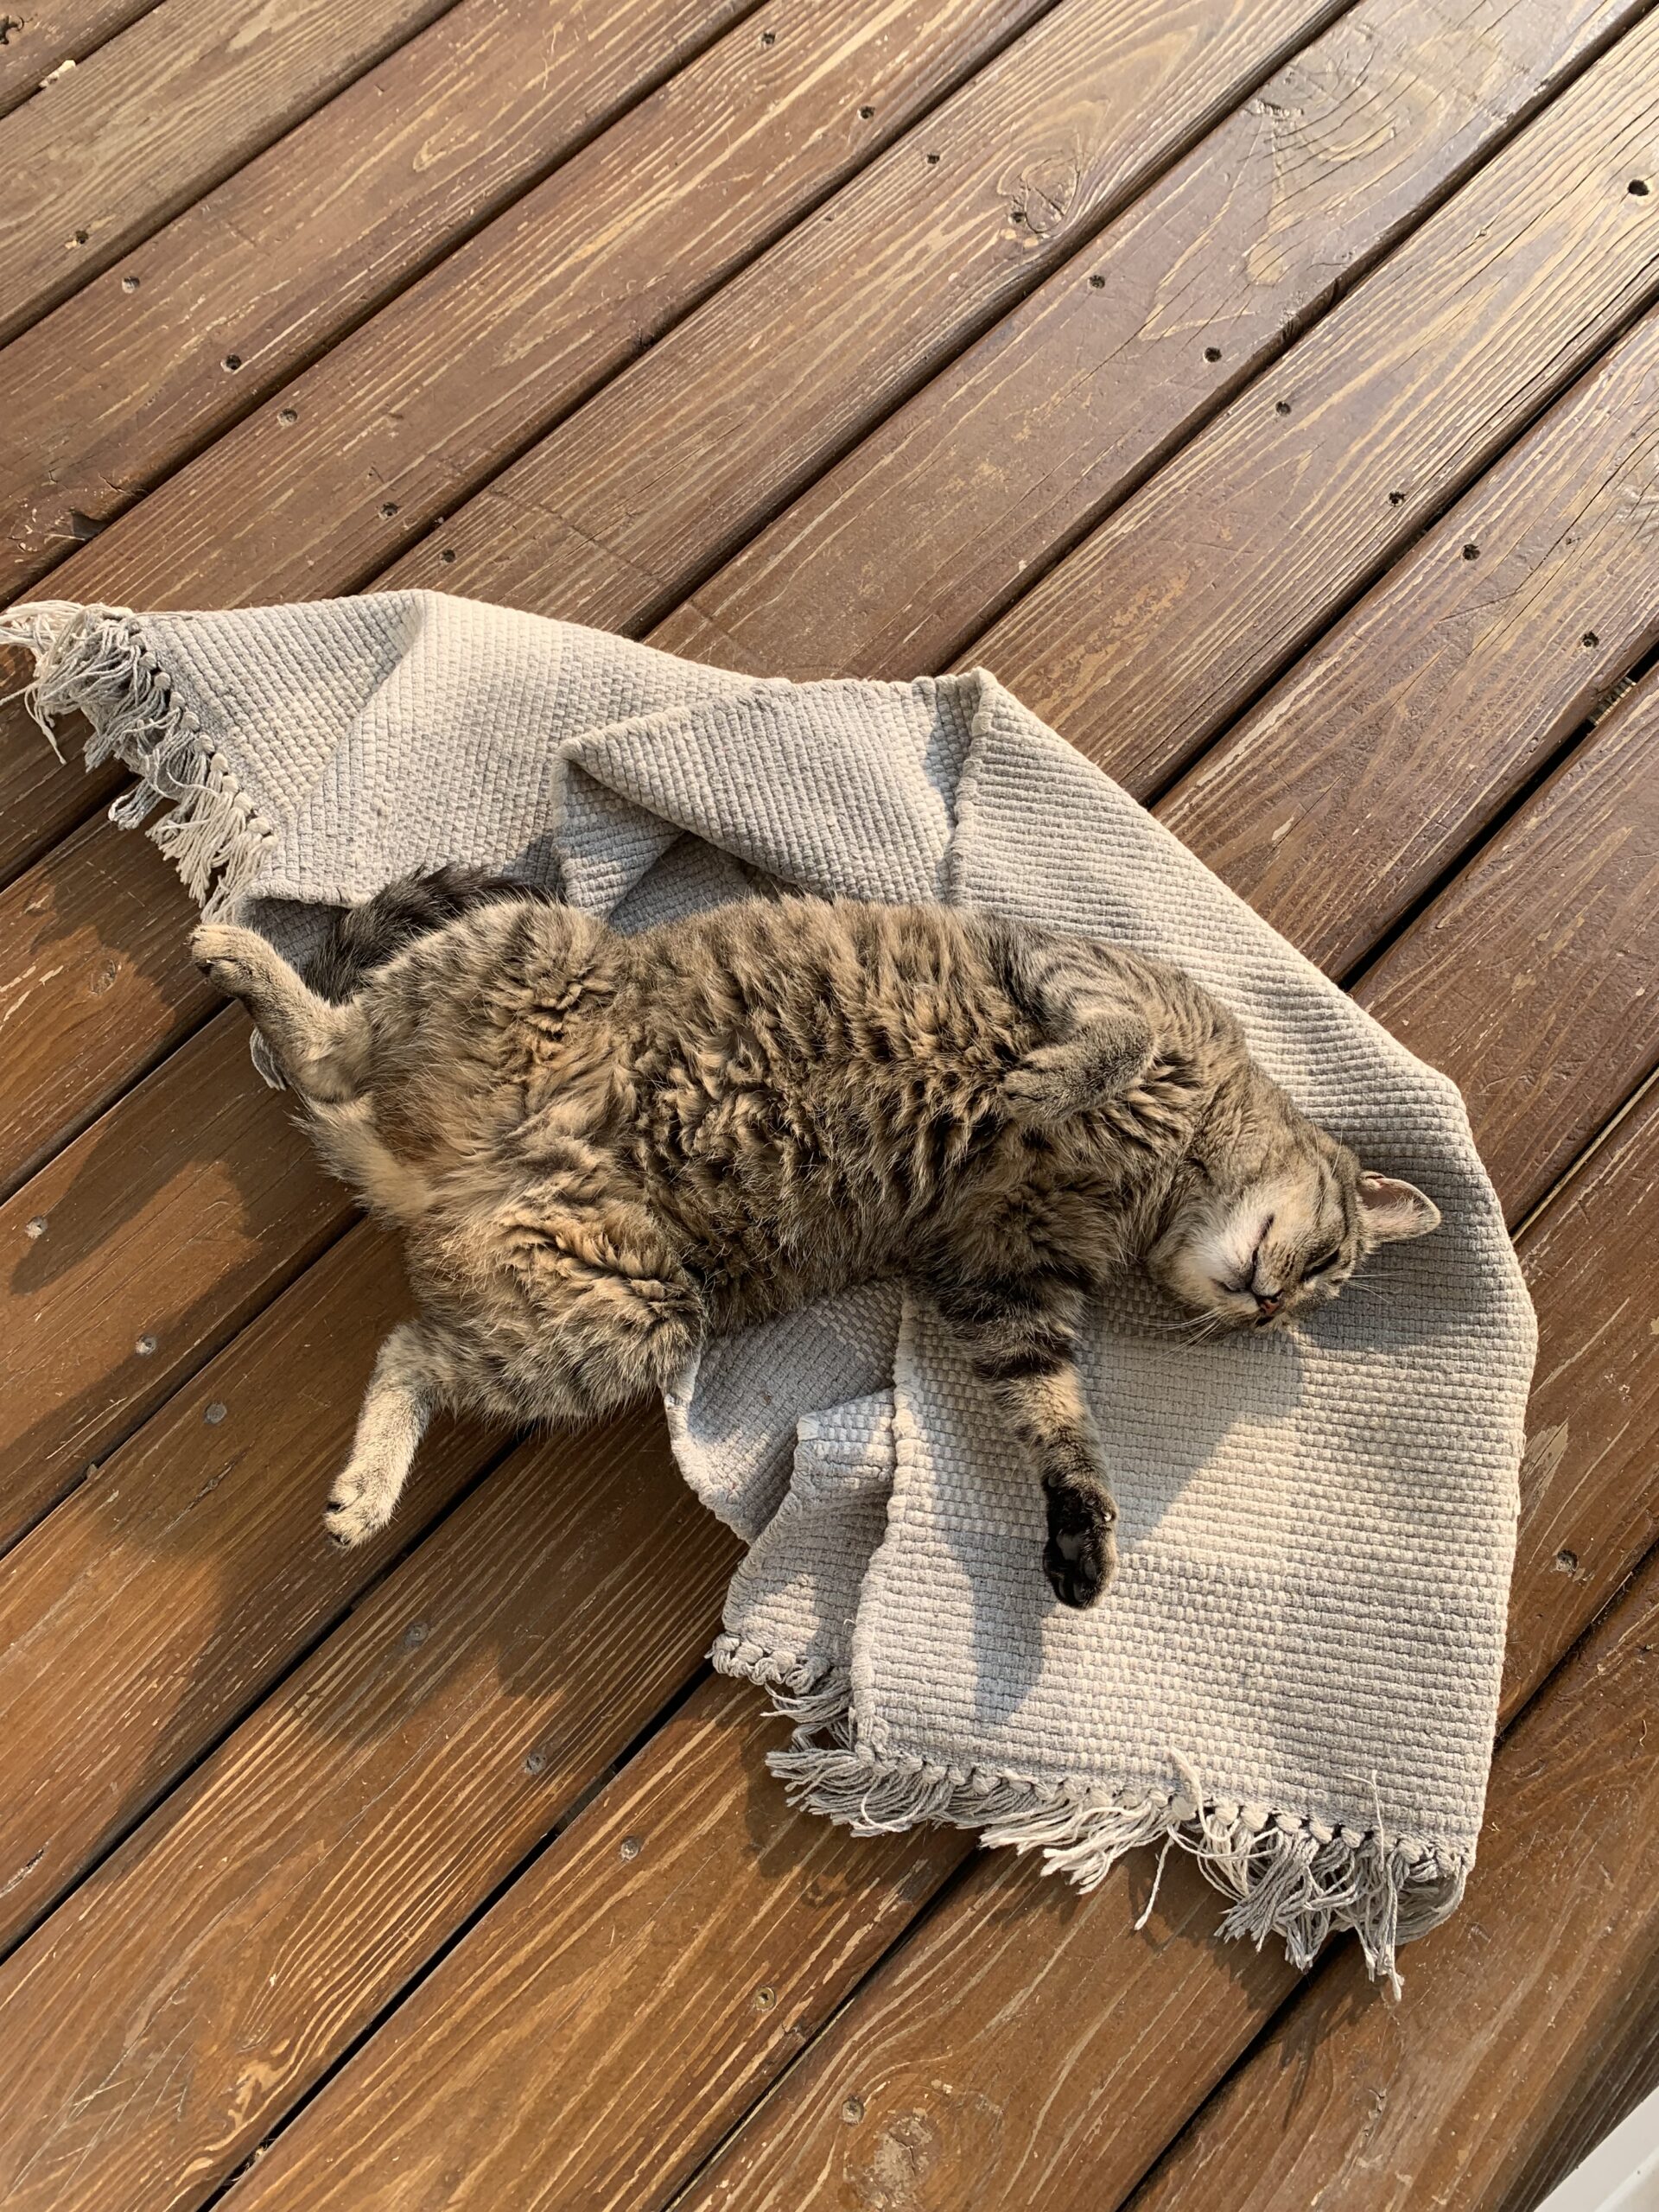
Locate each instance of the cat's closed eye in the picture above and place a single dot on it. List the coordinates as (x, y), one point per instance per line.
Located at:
(1324, 1260)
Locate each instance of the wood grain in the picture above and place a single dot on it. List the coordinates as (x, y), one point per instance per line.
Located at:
(145, 1245)
(1453, 677)
(1201, 587)
(94, 986)
(165, 1595)
(126, 379)
(360, 452)
(1080, 2047)
(1009, 454)
(603, 2024)
(453, 377)
(53, 32)
(628, 501)
(205, 1976)
(1551, 1961)
(1534, 979)
(103, 155)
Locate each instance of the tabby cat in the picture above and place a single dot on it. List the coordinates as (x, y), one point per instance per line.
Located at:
(602, 1149)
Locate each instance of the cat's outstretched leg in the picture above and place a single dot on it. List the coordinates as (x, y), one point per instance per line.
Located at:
(321, 1049)
(403, 1394)
(1021, 1336)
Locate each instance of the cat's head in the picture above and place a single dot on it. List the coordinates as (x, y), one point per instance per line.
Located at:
(1269, 1236)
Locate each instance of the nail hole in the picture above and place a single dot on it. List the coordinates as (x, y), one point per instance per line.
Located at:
(853, 2111)
(287, 415)
(1640, 186)
(233, 361)
(447, 557)
(1566, 1563)
(764, 1998)
(145, 1346)
(1589, 638)
(1471, 552)
(535, 1761)
(1281, 407)
(1212, 353)
(1397, 499)
(630, 1847)
(414, 1635)
(215, 1414)
(869, 114)
(389, 508)
(129, 284)
(932, 160)
(1017, 215)
(768, 38)
(1098, 284)
(80, 238)
(35, 1229)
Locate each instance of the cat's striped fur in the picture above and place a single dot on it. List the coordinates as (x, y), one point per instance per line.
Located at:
(602, 1148)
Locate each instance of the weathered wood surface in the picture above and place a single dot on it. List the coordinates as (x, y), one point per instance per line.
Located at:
(129, 377)
(1453, 677)
(626, 504)
(1536, 973)
(94, 987)
(1199, 588)
(53, 32)
(109, 150)
(1003, 462)
(619, 2011)
(144, 1246)
(134, 1626)
(264, 1914)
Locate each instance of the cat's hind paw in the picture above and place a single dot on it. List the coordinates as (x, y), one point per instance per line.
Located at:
(234, 959)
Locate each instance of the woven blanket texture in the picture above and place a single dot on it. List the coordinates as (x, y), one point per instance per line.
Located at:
(1295, 1676)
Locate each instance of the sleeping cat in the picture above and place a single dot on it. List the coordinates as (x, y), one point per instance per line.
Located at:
(602, 1149)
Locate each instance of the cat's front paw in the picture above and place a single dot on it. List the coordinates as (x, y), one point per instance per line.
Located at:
(1080, 1557)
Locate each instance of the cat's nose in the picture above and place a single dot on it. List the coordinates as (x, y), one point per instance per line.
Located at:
(1268, 1303)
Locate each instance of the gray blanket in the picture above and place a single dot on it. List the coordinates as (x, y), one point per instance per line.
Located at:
(1295, 1676)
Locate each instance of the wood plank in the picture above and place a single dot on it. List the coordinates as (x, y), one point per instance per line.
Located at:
(626, 504)
(53, 32)
(1023, 1971)
(95, 985)
(1002, 462)
(619, 2011)
(1532, 976)
(1452, 676)
(1201, 587)
(1551, 1964)
(204, 1976)
(141, 1249)
(212, 1606)
(103, 155)
(362, 451)
(127, 379)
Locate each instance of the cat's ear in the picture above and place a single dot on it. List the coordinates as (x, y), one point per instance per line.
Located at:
(1392, 1209)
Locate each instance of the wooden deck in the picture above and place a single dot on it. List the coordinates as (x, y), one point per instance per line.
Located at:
(1269, 392)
